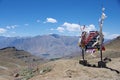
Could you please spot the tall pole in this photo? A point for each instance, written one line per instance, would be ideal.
(83, 53)
(103, 16)
(101, 42)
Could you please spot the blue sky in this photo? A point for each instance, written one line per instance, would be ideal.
(64, 17)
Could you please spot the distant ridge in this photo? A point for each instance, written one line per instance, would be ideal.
(46, 46)
(55, 35)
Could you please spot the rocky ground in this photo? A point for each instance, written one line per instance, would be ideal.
(13, 67)
(65, 69)
(70, 69)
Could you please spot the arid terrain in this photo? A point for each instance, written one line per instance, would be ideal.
(70, 69)
(13, 60)
(14, 67)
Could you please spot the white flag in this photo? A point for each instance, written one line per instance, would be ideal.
(103, 16)
(103, 9)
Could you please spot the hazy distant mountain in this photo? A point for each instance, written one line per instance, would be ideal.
(49, 46)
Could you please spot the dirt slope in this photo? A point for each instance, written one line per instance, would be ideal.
(114, 44)
(69, 69)
(11, 60)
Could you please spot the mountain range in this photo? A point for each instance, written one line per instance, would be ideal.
(46, 46)
(14, 62)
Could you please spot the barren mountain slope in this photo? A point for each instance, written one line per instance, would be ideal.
(12, 60)
(68, 69)
(114, 44)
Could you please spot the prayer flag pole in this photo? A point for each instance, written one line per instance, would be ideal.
(103, 16)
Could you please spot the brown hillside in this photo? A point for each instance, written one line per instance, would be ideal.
(113, 48)
(114, 44)
(70, 69)
(12, 60)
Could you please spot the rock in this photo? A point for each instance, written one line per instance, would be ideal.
(41, 72)
(15, 74)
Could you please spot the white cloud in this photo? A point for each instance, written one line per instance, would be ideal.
(110, 36)
(90, 27)
(114, 35)
(76, 27)
(2, 30)
(11, 27)
(71, 26)
(60, 29)
(51, 20)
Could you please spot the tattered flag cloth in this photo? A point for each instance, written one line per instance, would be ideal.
(93, 41)
(91, 51)
(103, 16)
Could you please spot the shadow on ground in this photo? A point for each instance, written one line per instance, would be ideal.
(103, 65)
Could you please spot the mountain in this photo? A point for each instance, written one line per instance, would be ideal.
(46, 46)
(13, 53)
(70, 69)
(114, 44)
(12, 59)
(113, 48)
